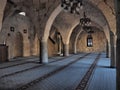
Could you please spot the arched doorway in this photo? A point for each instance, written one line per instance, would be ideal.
(18, 48)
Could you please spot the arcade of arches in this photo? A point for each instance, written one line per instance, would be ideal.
(46, 30)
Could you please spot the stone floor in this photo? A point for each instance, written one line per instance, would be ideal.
(62, 73)
(104, 78)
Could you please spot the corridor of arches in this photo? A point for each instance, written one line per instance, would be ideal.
(41, 31)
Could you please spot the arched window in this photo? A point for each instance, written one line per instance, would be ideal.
(89, 41)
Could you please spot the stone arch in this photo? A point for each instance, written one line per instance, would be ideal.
(71, 30)
(80, 31)
(9, 41)
(50, 22)
(75, 43)
(106, 27)
(15, 45)
(47, 30)
(2, 8)
(73, 36)
(99, 41)
(52, 18)
(18, 45)
(108, 9)
(43, 42)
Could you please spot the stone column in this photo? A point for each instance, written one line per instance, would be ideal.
(112, 56)
(117, 4)
(118, 63)
(43, 52)
(59, 44)
(112, 50)
(59, 48)
(66, 50)
(75, 50)
(115, 53)
(107, 49)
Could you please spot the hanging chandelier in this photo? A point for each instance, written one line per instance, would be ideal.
(72, 6)
(85, 21)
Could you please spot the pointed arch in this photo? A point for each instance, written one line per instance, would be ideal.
(18, 45)
(50, 22)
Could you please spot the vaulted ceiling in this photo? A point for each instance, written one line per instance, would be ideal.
(101, 12)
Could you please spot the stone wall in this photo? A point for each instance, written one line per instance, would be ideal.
(99, 42)
(52, 48)
(21, 40)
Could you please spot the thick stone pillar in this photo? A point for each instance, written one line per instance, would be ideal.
(113, 56)
(59, 48)
(107, 49)
(75, 50)
(43, 52)
(117, 4)
(115, 53)
(59, 45)
(118, 63)
(66, 50)
(112, 50)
